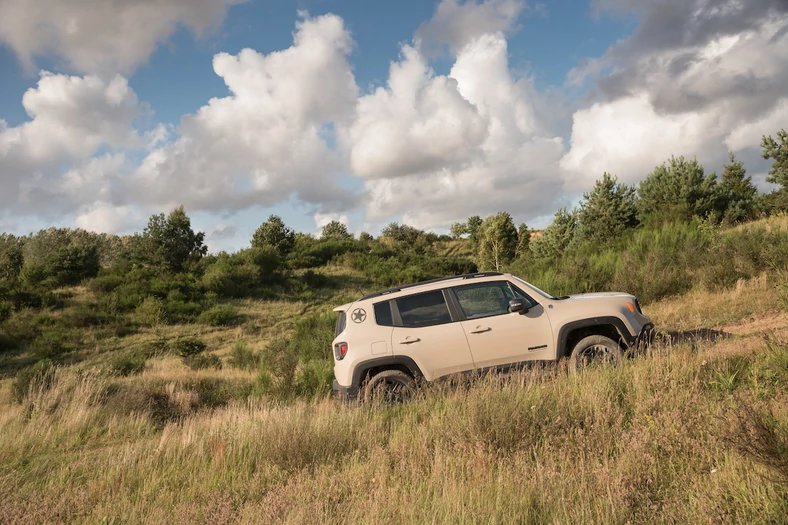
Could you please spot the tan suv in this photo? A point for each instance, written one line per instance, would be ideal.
(388, 340)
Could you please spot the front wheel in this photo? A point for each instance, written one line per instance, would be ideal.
(389, 386)
(595, 350)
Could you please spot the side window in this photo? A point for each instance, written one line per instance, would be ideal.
(426, 309)
(484, 299)
(383, 314)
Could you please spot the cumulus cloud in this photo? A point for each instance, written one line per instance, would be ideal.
(695, 78)
(101, 36)
(480, 145)
(457, 23)
(105, 217)
(71, 119)
(421, 114)
(268, 140)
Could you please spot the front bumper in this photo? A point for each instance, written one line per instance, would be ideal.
(345, 393)
(644, 339)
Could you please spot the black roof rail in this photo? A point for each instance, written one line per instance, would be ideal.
(431, 281)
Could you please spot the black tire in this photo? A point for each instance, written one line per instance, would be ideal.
(389, 386)
(596, 350)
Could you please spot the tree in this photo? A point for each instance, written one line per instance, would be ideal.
(555, 238)
(472, 228)
(11, 262)
(335, 230)
(171, 241)
(778, 174)
(275, 234)
(365, 237)
(677, 190)
(737, 192)
(607, 211)
(496, 242)
(458, 229)
(523, 240)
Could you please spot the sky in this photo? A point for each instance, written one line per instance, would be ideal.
(422, 112)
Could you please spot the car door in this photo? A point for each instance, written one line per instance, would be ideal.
(426, 332)
(496, 336)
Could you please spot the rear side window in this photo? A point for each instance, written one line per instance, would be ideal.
(426, 309)
(383, 314)
(341, 322)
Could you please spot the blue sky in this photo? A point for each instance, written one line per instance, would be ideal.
(367, 112)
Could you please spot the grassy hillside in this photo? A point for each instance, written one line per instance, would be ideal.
(223, 415)
(694, 432)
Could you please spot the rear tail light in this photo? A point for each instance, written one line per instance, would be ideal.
(340, 351)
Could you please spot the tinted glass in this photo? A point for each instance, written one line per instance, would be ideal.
(383, 314)
(484, 299)
(341, 321)
(425, 309)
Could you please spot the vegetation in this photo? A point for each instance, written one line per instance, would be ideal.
(146, 380)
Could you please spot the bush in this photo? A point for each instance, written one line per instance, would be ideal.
(243, 357)
(220, 315)
(189, 346)
(151, 312)
(39, 376)
(201, 361)
(126, 364)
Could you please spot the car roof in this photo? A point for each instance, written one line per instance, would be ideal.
(433, 284)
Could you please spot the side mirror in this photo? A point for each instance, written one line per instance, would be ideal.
(518, 305)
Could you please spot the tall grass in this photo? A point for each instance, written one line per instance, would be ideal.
(651, 442)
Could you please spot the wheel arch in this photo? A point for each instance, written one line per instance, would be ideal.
(379, 364)
(571, 333)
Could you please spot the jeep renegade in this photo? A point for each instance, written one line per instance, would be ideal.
(388, 340)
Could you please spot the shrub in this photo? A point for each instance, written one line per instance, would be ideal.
(243, 357)
(151, 312)
(201, 361)
(189, 346)
(40, 376)
(125, 364)
(219, 315)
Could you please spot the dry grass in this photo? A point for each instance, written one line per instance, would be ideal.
(702, 309)
(687, 434)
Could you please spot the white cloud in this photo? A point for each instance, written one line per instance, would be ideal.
(505, 157)
(457, 23)
(698, 99)
(101, 36)
(420, 123)
(267, 141)
(105, 217)
(71, 118)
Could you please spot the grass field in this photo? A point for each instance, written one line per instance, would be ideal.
(694, 432)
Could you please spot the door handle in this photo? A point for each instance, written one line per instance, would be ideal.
(481, 329)
(409, 340)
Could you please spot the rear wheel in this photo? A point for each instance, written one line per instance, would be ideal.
(389, 386)
(595, 350)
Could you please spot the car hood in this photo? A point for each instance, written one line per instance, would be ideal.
(600, 295)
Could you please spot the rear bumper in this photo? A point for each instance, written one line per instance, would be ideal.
(345, 393)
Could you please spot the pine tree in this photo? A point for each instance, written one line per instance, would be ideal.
(677, 190)
(737, 192)
(556, 238)
(607, 211)
(275, 234)
(335, 230)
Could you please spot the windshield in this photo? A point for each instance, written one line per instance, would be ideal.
(534, 288)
